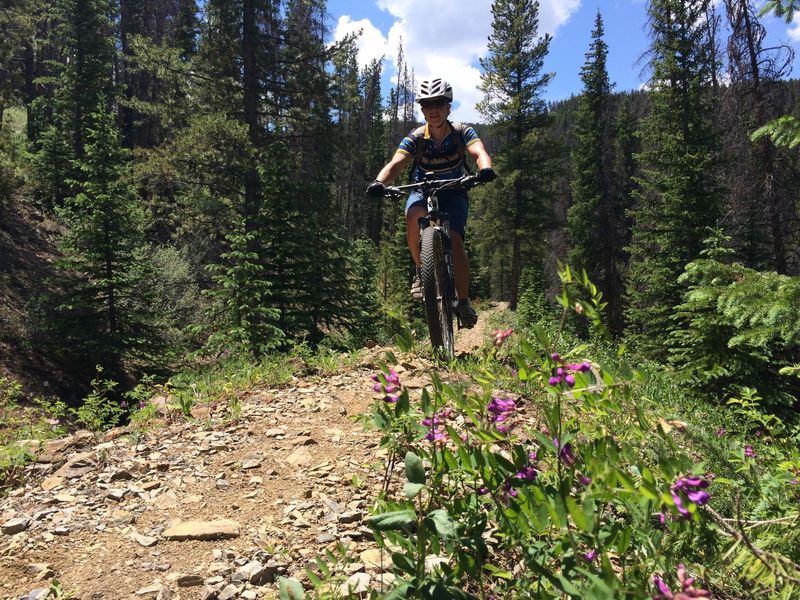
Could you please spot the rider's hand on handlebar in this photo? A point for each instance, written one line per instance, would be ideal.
(486, 175)
(376, 189)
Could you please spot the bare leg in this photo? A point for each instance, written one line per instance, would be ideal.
(412, 231)
(460, 265)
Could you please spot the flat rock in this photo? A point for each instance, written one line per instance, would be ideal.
(190, 580)
(149, 590)
(376, 559)
(40, 571)
(222, 529)
(51, 483)
(301, 457)
(144, 540)
(78, 466)
(357, 585)
(15, 525)
(230, 592)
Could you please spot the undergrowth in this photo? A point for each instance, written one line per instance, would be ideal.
(560, 470)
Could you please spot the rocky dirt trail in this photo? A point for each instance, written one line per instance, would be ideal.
(209, 509)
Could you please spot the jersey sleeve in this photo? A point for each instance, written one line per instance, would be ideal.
(470, 136)
(408, 146)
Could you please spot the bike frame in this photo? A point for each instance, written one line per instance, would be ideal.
(434, 217)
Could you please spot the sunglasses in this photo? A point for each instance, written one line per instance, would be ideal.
(438, 103)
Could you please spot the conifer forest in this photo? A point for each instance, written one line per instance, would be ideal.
(201, 167)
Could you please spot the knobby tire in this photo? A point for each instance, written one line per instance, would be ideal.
(435, 286)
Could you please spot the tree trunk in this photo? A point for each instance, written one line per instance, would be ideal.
(250, 81)
(516, 249)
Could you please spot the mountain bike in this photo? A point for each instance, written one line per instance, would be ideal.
(436, 269)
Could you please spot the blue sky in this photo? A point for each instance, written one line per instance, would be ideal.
(447, 37)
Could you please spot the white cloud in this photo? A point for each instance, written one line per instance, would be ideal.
(794, 29)
(371, 43)
(446, 38)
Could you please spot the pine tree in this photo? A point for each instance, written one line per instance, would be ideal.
(679, 195)
(595, 220)
(513, 85)
(759, 201)
(736, 328)
(19, 20)
(374, 131)
(84, 74)
(101, 317)
(243, 322)
(349, 154)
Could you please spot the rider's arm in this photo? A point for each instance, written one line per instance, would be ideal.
(478, 152)
(393, 167)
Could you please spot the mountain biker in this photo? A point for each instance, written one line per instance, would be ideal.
(441, 151)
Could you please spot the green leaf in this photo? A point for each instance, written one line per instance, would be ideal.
(578, 516)
(290, 589)
(499, 573)
(412, 489)
(415, 470)
(648, 486)
(567, 586)
(443, 523)
(402, 591)
(392, 521)
(404, 562)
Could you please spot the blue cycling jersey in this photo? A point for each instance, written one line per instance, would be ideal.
(444, 160)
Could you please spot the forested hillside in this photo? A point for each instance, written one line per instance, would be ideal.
(182, 202)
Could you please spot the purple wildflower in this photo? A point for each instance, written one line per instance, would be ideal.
(565, 454)
(482, 491)
(694, 490)
(688, 591)
(510, 492)
(501, 335)
(700, 497)
(527, 474)
(585, 481)
(499, 406)
(749, 452)
(721, 431)
(590, 555)
(500, 410)
(566, 372)
(437, 433)
(388, 385)
(663, 591)
(437, 436)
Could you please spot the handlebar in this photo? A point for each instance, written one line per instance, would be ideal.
(466, 182)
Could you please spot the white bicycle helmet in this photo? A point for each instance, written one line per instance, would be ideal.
(431, 89)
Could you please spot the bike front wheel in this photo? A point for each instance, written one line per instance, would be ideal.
(436, 289)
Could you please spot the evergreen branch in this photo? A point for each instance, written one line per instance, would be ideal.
(762, 555)
(752, 524)
(783, 131)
